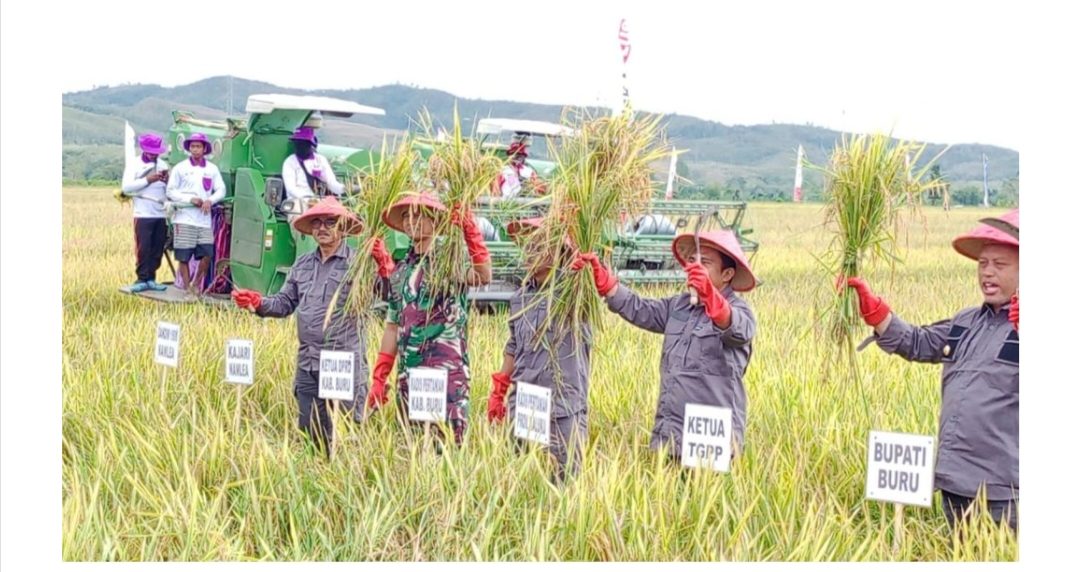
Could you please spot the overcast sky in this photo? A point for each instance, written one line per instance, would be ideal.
(935, 71)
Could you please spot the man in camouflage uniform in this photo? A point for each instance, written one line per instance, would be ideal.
(423, 328)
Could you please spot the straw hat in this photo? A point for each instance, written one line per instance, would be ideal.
(395, 214)
(972, 243)
(724, 241)
(329, 206)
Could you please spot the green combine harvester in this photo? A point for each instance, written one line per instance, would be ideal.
(641, 248)
(250, 153)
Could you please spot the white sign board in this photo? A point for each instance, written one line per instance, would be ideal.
(533, 405)
(167, 352)
(427, 398)
(336, 375)
(707, 437)
(239, 362)
(900, 468)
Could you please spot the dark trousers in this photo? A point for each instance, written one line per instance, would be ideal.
(314, 419)
(567, 438)
(958, 507)
(151, 235)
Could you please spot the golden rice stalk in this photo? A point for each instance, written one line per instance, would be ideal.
(604, 176)
(870, 181)
(391, 173)
(460, 171)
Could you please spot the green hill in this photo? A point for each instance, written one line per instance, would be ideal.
(756, 160)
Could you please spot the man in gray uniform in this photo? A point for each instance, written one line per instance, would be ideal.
(707, 346)
(311, 286)
(979, 349)
(530, 358)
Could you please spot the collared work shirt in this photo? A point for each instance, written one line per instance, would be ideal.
(148, 198)
(295, 183)
(185, 183)
(309, 290)
(565, 370)
(979, 429)
(700, 362)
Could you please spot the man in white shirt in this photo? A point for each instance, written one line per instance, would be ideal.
(307, 173)
(144, 180)
(517, 173)
(194, 186)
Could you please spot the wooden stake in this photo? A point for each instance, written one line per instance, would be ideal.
(238, 404)
(898, 527)
(164, 382)
(335, 429)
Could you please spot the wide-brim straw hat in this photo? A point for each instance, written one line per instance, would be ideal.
(972, 243)
(522, 226)
(394, 216)
(347, 222)
(725, 241)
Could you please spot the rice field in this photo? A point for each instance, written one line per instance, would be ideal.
(172, 473)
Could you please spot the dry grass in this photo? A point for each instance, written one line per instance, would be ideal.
(150, 480)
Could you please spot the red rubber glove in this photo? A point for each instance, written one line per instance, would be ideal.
(716, 306)
(872, 308)
(496, 411)
(246, 298)
(379, 392)
(1014, 312)
(604, 280)
(476, 247)
(381, 255)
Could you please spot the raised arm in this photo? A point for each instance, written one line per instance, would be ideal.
(335, 186)
(642, 312)
(481, 272)
(894, 335)
(283, 303)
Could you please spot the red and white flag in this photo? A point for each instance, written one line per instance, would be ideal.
(797, 189)
(625, 53)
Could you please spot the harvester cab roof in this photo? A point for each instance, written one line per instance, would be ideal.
(522, 127)
(268, 103)
(499, 133)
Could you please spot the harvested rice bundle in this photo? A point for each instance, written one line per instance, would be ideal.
(604, 175)
(392, 173)
(460, 171)
(870, 181)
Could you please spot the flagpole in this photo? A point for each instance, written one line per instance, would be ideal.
(797, 189)
(672, 176)
(986, 193)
